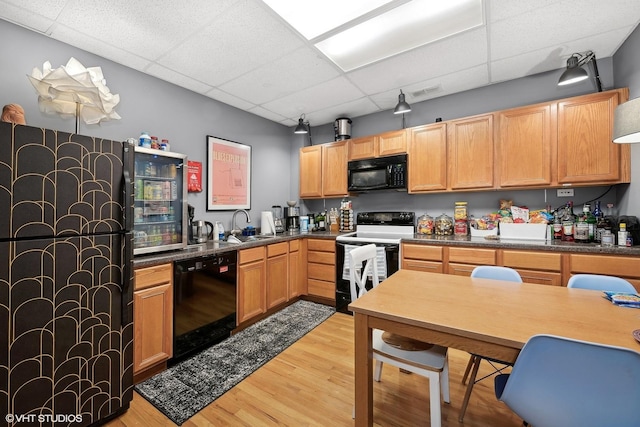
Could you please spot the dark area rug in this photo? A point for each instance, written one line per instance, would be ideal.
(189, 386)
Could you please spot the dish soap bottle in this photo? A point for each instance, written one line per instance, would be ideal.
(220, 230)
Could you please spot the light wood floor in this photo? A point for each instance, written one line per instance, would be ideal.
(311, 384)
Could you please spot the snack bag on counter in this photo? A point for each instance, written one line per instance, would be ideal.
(505, 208)
(519, 215)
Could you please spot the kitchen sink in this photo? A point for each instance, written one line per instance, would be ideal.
(244, 239)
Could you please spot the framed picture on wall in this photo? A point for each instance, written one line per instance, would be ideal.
(228, 175)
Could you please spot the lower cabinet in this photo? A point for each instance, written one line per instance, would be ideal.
(277, 274)
(153, 316)
(611, 265)
(251, 283)
(544, 268)
(462, 261)
(321, 268)
(297, 263)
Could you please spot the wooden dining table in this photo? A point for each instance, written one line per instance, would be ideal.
(490, 317)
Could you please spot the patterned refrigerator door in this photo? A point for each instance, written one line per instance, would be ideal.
(54, 183)
(67, 356)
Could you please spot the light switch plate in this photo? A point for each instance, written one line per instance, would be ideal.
(565, 192)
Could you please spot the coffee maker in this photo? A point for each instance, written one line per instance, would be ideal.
(292, 218)
(277, 218)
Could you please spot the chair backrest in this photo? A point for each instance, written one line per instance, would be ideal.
(558, 381)
(357, 274)
(497, 273)
(599, 282)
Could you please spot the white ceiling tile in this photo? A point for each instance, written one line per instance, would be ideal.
(25, 17)
(178, 79)
(243, 39)
(504, 9)
(562, 21)
(334, 92)
(45, 8)
(226, 98)
(98, 47)
(294, 72)
(465, 50)
(144, 27)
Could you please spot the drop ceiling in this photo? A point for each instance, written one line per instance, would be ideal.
(242, 53)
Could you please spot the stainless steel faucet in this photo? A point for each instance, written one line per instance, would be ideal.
(235, 229)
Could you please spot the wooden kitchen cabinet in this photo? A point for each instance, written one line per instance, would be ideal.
(297, 263)
(462, 261)
(251, 283)
(544, 268)
(321, 268)
(586, 154)
(323, 170)
(422, 257)
(152, 316)
(471, 153)
(277, 274)
(384, 144)
(626, 267)
(427, 158)
(526, 144)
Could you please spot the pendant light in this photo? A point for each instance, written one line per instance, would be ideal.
(626, 122)
(402, 106)
(303, 128)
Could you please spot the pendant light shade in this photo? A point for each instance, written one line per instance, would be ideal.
(402, 106)
(626, 122)
(575, 73)
(301, 128)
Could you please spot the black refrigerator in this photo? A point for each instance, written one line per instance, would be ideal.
(66, 271)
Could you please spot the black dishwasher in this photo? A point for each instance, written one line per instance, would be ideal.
(204, 311)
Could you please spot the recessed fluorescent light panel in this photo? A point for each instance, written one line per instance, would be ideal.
(312, 18)
(356, 33)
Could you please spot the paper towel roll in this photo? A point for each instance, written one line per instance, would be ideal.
(266, 223)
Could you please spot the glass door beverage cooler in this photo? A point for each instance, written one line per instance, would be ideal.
(160, 211)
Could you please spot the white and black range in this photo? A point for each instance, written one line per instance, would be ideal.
(385, 230)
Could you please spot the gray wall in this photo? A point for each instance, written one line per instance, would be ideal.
(186, 118)
(626, 63)
(168, 111)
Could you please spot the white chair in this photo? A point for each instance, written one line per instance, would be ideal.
(599, 282)
(431, 363)
(496, 273)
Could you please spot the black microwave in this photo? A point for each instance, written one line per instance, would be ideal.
(381, 173)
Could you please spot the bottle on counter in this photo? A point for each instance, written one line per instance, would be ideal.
(598, 215)
(584, 226)
(216, 231)
(321, 219)
(622, 234)
(557, 226)
(220, 231)
(568, 223)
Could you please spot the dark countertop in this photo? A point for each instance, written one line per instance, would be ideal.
(212, 248)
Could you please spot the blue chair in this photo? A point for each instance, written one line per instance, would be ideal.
(496, 273)
(558, 381)
(599, 282)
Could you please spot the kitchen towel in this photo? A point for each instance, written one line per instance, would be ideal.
(381, 261)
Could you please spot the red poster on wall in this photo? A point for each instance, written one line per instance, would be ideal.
(228, 175)
(194, 176)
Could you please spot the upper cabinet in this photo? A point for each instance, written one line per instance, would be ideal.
(552, 144)
(384, 144)
(470, 157)
(323, 170)
(427, 158)
(526, 139)
(586, 153)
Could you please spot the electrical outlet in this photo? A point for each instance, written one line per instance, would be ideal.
(565, 192)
